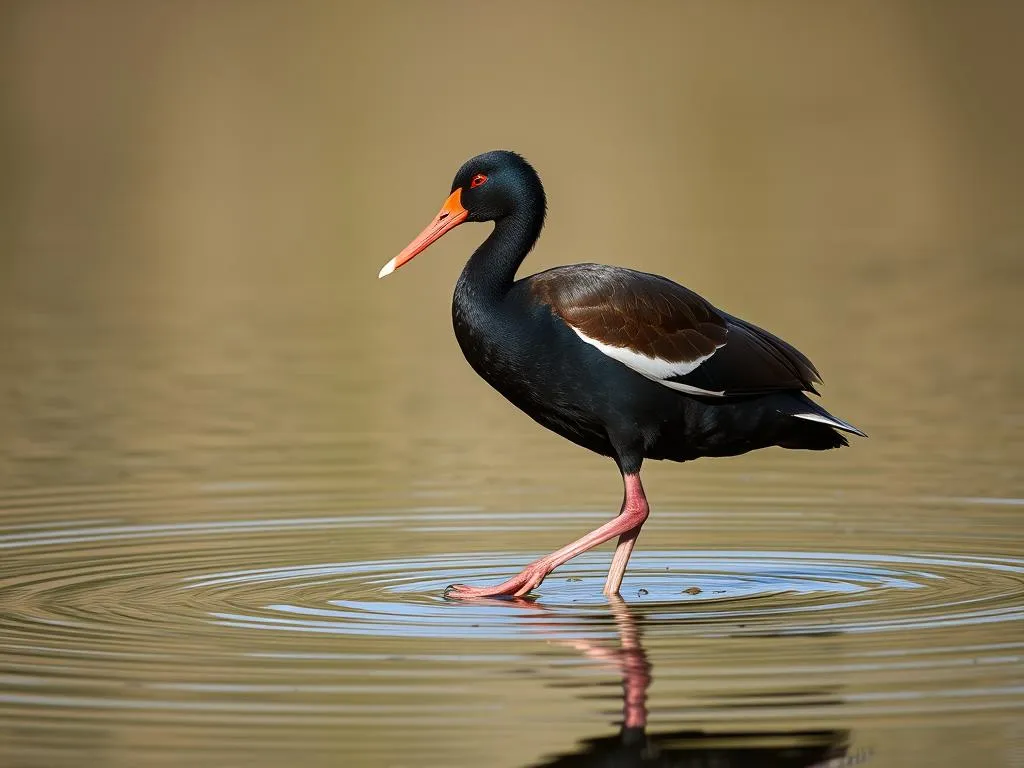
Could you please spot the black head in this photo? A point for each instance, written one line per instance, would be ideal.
(494, 186)
(498, 184)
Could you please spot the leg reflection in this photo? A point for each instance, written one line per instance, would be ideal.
(634, 747)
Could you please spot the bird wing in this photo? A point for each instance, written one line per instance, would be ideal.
(670, 334)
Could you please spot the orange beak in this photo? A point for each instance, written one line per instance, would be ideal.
(450, 216)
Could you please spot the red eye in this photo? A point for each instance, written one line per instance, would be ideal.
(478, 180)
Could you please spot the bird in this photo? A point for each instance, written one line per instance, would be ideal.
(627, 364)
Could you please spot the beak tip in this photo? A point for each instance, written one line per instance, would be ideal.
(451, 215)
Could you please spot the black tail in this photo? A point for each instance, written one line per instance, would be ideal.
(812, 427)
(802, 407)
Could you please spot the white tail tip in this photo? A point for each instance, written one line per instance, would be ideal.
(387, 269)
(832, 421)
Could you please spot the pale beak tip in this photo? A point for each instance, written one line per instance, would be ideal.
(386, 270)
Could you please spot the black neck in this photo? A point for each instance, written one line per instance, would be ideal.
(491, 269)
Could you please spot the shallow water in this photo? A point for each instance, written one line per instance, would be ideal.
(237, 472)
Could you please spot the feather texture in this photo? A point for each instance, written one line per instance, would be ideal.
(670, 334)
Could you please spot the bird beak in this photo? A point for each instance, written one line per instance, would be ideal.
(450, 216)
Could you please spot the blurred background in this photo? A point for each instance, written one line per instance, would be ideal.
(193, 187)
(195, 198)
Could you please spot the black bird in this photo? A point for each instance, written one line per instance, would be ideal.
(625, 363)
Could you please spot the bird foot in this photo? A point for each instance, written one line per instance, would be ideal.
(464, 592)
(518, 586)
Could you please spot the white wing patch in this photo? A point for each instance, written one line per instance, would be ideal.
(654, 368)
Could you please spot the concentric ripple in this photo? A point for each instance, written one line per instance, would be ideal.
(171, 573)
(251, 621)
(702, 593)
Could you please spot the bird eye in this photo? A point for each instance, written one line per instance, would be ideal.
(478, 180)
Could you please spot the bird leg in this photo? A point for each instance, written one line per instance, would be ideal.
(633, 497)
(627, 526)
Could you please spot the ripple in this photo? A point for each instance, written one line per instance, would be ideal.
(247, 618)
(701, 593)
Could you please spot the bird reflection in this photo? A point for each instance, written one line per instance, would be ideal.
(634, 747)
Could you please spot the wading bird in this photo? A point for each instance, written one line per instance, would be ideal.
(627, 364)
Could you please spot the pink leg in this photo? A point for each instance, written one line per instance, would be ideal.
(634, 498)
(632, 516)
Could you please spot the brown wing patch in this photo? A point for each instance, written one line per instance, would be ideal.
(641, 312)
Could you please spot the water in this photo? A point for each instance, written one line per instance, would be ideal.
(237, 472)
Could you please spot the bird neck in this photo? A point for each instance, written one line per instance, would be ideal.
(491, 269)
